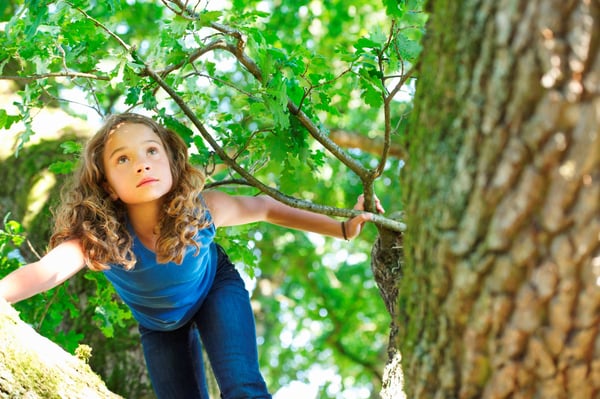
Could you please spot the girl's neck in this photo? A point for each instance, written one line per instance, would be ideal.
(144, 219)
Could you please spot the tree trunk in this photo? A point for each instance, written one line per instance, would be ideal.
(387, 264)
(500, 295)
(32, 366)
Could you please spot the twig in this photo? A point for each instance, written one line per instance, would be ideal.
(54, 75)
(99, 24)
(228, 182)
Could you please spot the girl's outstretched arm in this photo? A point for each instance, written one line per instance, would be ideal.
(52, 269)
(228, 210)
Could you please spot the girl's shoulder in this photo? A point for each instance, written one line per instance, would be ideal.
(216, 204)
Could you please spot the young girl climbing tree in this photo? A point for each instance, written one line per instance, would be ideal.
(136, 211)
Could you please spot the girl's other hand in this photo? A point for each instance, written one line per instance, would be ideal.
(360, 204)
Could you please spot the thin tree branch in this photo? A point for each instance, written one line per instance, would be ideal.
(286, 199)
(59, 99)
(315, 132)
(250, 65)
(387, 114)
(228, 182)
(238, 51)
(99, 24)
(216, 44)
(65, 74)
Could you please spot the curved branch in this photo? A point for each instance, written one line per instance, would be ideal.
(249, 64)
(309, 125)
(286, 199)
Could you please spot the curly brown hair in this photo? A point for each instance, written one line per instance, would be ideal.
(89, 214)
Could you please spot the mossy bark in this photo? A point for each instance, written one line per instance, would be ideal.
(500, 295)
(32, 366)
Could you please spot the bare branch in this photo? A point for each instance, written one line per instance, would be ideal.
(59, 99)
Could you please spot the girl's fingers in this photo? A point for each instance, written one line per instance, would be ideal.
(360, 204)
(378, 205)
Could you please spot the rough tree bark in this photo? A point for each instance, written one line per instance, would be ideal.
(500, 295)
(387, 263)
(32, 366)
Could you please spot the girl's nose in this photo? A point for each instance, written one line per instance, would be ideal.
(142, 168)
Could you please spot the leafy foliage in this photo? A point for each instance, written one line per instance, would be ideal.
(254, 89)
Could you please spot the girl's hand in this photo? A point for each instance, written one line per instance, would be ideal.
(354, 226)
(360, 204)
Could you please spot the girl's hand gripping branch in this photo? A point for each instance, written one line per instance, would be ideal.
(353, 226)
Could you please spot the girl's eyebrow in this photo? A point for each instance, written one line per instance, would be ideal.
(124, 147)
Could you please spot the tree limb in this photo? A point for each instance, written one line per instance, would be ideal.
(286, 199)
(32, 366)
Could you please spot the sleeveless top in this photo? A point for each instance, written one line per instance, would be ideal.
(165, 296)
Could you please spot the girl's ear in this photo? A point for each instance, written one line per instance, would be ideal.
(113, 195)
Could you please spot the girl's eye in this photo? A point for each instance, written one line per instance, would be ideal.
(152, 150)
(121, 159)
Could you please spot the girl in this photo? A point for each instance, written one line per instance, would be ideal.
(137, 212)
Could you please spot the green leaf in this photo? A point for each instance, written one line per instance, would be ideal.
(38, 12)
(133, 95)
(208, 17)
(149, 100)
(408, 48)
(275, 99)
(363, 43)
(71, 147)
(178, 127)
(392, 7)
(7, 120)
(62, 167)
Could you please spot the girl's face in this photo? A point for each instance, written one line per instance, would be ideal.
(136, 165)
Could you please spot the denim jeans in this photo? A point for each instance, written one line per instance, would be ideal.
(225, 326)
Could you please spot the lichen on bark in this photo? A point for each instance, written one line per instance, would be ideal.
(31, 366)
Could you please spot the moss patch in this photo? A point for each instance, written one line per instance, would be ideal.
(32, 366)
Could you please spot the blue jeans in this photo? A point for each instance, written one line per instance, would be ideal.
(225, 324)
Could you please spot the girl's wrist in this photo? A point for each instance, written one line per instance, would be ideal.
(344, 230)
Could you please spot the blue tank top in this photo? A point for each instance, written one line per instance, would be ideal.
(165, 296)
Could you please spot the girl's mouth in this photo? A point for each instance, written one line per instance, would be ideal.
(146, 181)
